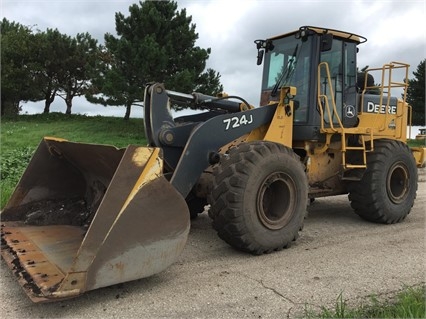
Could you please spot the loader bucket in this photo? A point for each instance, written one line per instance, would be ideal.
(88, 216)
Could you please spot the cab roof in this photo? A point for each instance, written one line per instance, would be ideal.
(319, 30)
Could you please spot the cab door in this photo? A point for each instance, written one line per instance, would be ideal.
(341, 85)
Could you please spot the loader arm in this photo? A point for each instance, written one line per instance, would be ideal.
(190, 147)
(162, 130)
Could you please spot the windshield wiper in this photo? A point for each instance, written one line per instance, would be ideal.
(287, 74)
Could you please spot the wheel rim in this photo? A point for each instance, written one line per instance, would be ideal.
(397, 184)
(276, 201)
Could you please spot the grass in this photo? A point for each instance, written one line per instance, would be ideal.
(416, 143)
(21, 135)
(28, 130)
(409, 303)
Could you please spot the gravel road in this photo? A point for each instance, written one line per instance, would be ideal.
(337, 253)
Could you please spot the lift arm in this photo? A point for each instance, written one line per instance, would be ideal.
(190, 147)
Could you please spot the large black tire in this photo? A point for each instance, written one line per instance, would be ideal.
(387, 191)
(259, 197)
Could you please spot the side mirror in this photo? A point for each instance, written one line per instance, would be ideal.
(262, 46)
(260, 54)
(326, 42)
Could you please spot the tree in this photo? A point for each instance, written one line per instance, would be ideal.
(416, 95)
(78, 66)
(62, 65)
(156, 42)
(42, 65)
(50, 55)
(209, 83)
(17, 79)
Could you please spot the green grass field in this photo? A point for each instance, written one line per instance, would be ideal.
(28, 130)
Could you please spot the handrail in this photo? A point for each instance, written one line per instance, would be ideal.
(386, 86)
(322, 96)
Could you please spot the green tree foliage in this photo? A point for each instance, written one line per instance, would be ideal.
(156, 42)
(42, 65)
(17, 78)
(51, 54)
(209, 83)
(79, 62)
(63, 65)
(416, 94)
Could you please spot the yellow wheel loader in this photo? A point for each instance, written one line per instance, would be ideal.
(88, 216)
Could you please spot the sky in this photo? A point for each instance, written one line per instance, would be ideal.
(396, 31)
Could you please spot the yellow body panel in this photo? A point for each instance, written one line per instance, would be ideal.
(281, 128)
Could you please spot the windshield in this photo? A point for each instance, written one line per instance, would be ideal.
(288, 64)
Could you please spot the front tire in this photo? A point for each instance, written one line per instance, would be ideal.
(388, 188)
(259, 197)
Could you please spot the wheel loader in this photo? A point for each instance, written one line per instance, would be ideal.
(88, 216)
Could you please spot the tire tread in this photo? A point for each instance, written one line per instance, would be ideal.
(231, 176)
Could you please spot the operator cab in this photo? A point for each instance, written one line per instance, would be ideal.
(292, 59)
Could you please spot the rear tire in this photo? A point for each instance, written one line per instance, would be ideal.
(387, 191)
(259, 197)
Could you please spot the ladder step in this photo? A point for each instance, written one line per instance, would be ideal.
(351, 178)
(354, 148)
(356, 166)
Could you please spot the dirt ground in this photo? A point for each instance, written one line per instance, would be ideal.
(337, 253)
